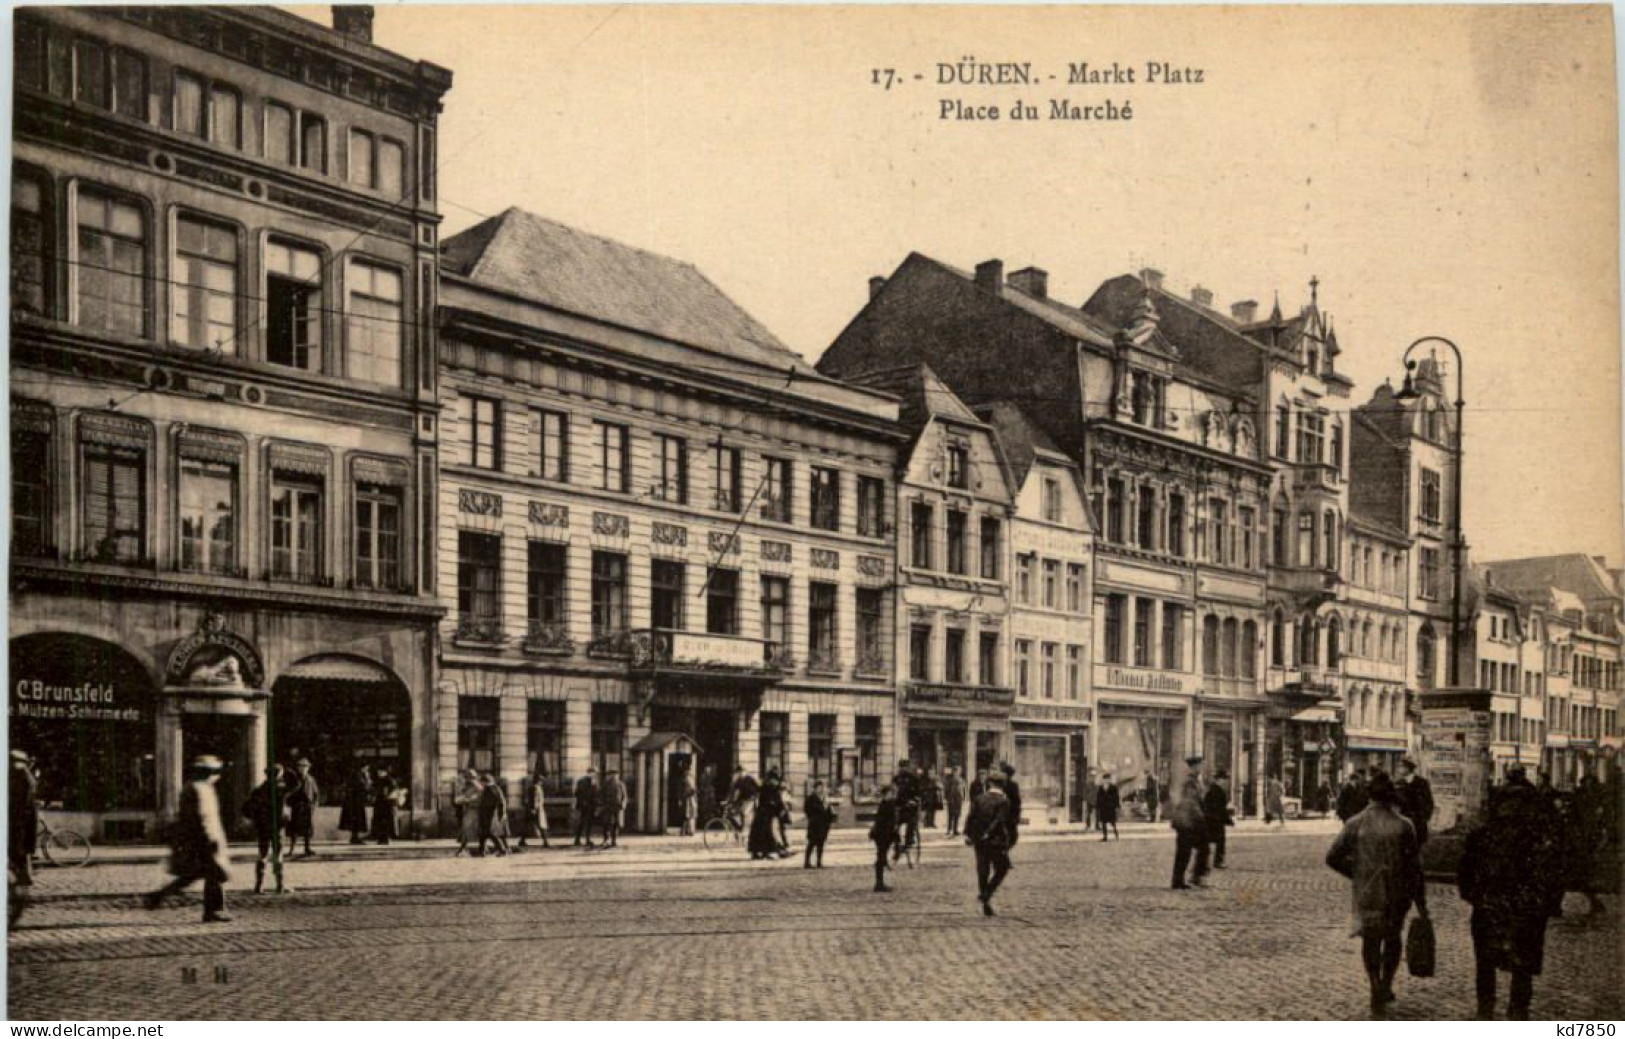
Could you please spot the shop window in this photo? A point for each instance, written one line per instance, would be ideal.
(296, 526)
(776, 490)
(614, 461)
(774, 740)
(671, 461)
(544, 742)
(374, 329)
(546, 587)
(820, 747)
(871, 506)
(378, 537)
(991, 548)
(608, 738)
(867, 738)
(293, 306)
(775, 615)
(477, 733)
(553, 445)
(609, 605)
(722, 602)
(919, 652)
(31, 237)
(920, 535)
(110, 264)
(208, 516)
(826, 498)
(205, 289)
(479, 584)
(726, 477)
(481, 419)
(666, 594)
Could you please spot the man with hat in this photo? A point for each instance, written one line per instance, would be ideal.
(1216, 811)
(586, 805)
(1012, 793)
(613, 802)
(198, 842)
(1377, 850)
(1190, 827)
(265, 809)
(1415, 799)
(990, 831)
(303, 797)
(22, 819)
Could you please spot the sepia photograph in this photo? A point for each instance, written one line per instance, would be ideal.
(779, 512)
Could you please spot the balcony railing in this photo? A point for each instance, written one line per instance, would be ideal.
(478, 630)
(548, 638)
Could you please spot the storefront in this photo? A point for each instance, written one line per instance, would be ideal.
(1304, 747)
(1135, 739)
(1381, 752)
(1230, 747)
(1051, 757)
(956, 726)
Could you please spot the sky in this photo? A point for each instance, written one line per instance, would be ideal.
(1443, 171)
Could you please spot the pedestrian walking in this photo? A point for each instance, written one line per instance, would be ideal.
(303, 796)
(534, 806)
(22, 818)
(586, 806)
(953, 798)
(688, 798)
(467, 804)
(883, 832)
(197, 847)
(931, 797)
(991, 833)
(1190, 828)
(742, 797)
(1012, 793)
(1216, 813)
(1323, 798)
(493, 815)
(1089, 791)
(612, 807)
(764, 842)
(1377, 850)
(1511, 874)
(353, 814)
(1108, 800)
(1153, 796)
(383, 806)
(266, 809)
(820, 816)
(1275, 801)
(1415, 799)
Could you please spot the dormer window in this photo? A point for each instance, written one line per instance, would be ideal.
(1314, 360)
(1145, 400)
(958, 466)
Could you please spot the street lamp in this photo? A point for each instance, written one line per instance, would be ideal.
(1458, 544)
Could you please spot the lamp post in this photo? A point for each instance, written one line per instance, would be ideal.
(1458, 543)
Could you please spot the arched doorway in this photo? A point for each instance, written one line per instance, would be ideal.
(85, 709)
(338, 711)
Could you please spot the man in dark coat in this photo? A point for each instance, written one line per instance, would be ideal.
(990, 831)
(1352, 798)
(1012, 793)
(1377, 850)
(353, 815)
(953, 796)
(265, 809)
(1415, 799)
(1216, 814)
(819, 818)
(1107, 802)
(612, 806)
(22, 818)
(1190, 828)
(198, 843)
(1088, 790)
(1153, 796)
(978, 784)
(303, 797)
(1511, 874)
(586, 806)
(883, 832)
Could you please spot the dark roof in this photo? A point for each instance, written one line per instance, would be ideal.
(1573, 572)
(924, 395)
(1020, 436)
(571, 270)
(1209, 344)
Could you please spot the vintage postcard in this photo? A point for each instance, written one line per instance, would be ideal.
(811, 512)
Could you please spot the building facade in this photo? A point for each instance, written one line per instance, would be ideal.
(223, 404)
(1378, 720)
(655, 521)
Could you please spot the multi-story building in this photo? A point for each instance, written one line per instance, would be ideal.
(1377, 723)
(1506, 636)
(664, 539)
(223, 234)
(1156, 413)
(954, 507)
(1051, 623)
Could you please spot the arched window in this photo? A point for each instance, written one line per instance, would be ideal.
(1425, 664)
(1334, 642)
(1249, 649)
(1278, 639)
(1229, 659)
(1210, 645)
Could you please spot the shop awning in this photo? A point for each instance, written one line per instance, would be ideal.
(338, 669)
(1316, 714)
(660, 740)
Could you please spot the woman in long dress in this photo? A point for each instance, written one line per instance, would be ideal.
(764, 842)
(353, 816)
(383, 807)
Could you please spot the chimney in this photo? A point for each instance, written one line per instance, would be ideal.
(990, 275)
(875, 285)
(1201, 297)
(1152, 277)
(353, 21)
(1244, 311)
(1031, 280)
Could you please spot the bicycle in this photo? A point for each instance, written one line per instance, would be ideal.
(61, 847)
(724, 830)
(908, 843)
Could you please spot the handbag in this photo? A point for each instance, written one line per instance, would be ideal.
(1420, 947)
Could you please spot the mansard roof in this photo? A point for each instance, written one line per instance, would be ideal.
(1208, 344)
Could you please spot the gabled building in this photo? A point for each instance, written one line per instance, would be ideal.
(954, 505)
(664, 539)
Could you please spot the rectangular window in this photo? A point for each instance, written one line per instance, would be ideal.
(111, 264)
(671, 469)
(31, 236)
(1047, 669)
(1172, 651)
(992, 548)
(130, 84)
(296, 527)
(1278, 538)
(666, 594)
(1052, 582)
(609, 609)
(614, 461)
(1247, 536)
(479, 580)
(546, 587)
(1074, 672)
(919, 652)
(553, 445)
(920, 535)
(279, 134)
(373, 325)
(1337, 447)
(293, 304)
(871, 506)
(1311, 437)
(477, 732)
(776, 490)
(190, 116)
(1429, 574)
(1143, 611)
(208, 516)
(1283, 430)
(1113, 650)
(776, 614)
(953, 657)
(1176, 525)
(987, 658)
(1024, 664)
(725, 478)
(821, 747)
(1146, 518)
(821, 625)
(826, 498)
(377, 537)
(391, 171)
(722, 602)
(1052, 499)
(205, 292)
(544, 739)
(225, 117)
(1116, 503)
(1432, 509)
(361, 158)
(1306, 539)
(28, 53)
(1024, 578)
(31, 474)
(958, 466)
(312, 143)
(956, 542)
(775, 738)
(1074, 587)
(1219, 526)
(867, 737)
(608, 737)
(871, 617)
(482, 421)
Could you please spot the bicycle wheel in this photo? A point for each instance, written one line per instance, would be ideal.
(717, 834)
(67, 848)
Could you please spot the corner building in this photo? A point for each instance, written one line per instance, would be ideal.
(223, 236)
(663, 538)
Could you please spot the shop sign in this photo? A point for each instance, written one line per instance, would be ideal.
(967, 696)
(1147, 681)
(1051, 713)
(82, 701)
(715, 650)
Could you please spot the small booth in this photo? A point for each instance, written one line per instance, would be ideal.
(658, 761)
